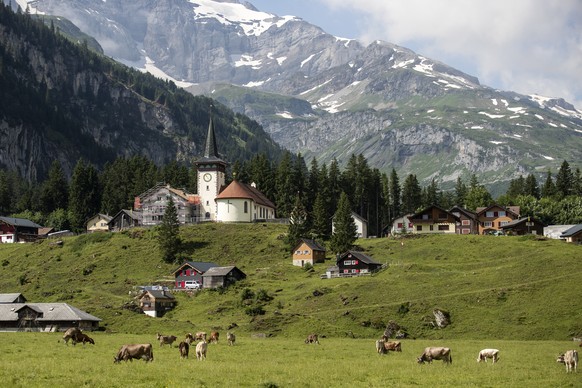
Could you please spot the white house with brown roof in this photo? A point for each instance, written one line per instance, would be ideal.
(240, 202)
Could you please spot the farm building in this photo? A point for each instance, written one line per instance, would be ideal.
(124, 219)
(308, 251)
(353, 263)
(555, 231)
(18, 230)
(573, 235)
(217, 277)
(12, 298)
(156, 303)
(191, 271)
(526, 225)
(98, 223)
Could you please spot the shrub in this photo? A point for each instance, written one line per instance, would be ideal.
(255, 310)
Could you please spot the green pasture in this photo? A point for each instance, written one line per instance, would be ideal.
(41, 360)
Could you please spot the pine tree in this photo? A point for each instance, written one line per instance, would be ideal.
(84, 195)
(460, 192)
(549, 188)
(55, 190)
(298, 223)
(395, 195)
(345, 230)
(411, 194)
(169, 233)
(320, 218)
(531, 186)
(564, 180)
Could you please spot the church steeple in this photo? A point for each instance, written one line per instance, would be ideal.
(211, 150)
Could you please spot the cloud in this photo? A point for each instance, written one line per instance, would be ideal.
(527, 46)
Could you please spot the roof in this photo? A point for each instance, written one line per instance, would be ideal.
(130, 213)
(157, 294)
(520, 221)
(220, 271)
(20, 222)
(512, 209)
(50, 312)
(241, 190)
(572, 231)
(210, 147)
(466, 212)
(10, 298)
(415, 216)
(45, 230)
(200, 266)
(314, 245)
(360, 256)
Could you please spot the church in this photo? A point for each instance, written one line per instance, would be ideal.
(215, 201)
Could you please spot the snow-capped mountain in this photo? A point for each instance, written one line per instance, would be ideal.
(327, 96)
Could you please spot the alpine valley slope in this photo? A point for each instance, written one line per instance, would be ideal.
(330, 97)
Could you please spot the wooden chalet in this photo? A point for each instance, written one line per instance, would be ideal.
(98, 223)
(468, 222)
(354, 263)
(493, 217)
(14, 230)
(124, 219)
(308, 251)
(217, 277)
(434, 219)
(190, 271)
(156, 303)
(522, 226)
(573, 235)
(12, 298)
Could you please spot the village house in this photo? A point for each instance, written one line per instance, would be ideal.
(14, 230)
(573, 235)
(156, 303)
(98, 223)
(468, 222)
(124, 219)
(493, 217)
(190, 272)
(353, 263)
(12, 298)
(217, 277)
(434, 219)
(522, 226)
(399, 225)
(308, 252)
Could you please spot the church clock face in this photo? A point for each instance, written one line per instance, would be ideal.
(207, 177)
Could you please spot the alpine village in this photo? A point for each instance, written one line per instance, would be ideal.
(137, 218)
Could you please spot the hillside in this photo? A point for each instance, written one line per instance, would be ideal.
(493, 287)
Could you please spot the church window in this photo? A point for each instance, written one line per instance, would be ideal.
(207, 214)
(246, 206)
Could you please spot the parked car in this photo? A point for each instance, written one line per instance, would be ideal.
(192, 284)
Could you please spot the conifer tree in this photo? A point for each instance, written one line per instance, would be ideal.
(411, 194)
(345, 230)
(564, 180)
(169, 233)
(84, 195)
(298, 223)
(395, 195)
(55, 190)
(549, 188)
(320, 222)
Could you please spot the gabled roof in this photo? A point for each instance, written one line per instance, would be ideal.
(50, 312)
(10, 298)
(418, 214)
(157, 294)
(360, 256)
(241, 190)
(314, 245)
(105, 217)
(464, 211)
(221, 271)
(200, 266)
(130, 213)
(519, 221)
(20, 222)
(510, 209)
(572, 231)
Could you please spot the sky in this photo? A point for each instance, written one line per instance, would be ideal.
(525, 46)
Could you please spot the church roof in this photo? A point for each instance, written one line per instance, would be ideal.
(210, 148)
(243, 191)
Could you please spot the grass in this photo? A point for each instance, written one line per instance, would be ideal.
(40, 360)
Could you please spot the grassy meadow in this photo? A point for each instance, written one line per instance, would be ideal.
(40, 360)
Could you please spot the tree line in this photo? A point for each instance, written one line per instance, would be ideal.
(301, 192)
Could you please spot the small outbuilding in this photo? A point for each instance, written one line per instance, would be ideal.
(217, 277)
(308, 252)
(523, 226)
(156, 303)
(124, 219)
(573, 235)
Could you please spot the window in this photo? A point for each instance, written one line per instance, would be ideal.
(400, 224)
(490, 214)
(246, 207)
(465, 222)
(431, 227)
(465, 231)
(207, 188)
(443, 227)
(501, 223)
(487, 224)
(502, 214)
(425, 216)
(207, 203)
(419, 228)
(297, 252)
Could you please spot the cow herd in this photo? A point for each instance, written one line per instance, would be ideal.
(383, 346)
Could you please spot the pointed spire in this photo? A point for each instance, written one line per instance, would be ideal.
(211, 150)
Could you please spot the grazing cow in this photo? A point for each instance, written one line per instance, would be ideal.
(312, 339)
(230, 337)
(184, 348)
(570, 359)
(137, 351)
(84, 338)
(189, 338)
(201, 349)
(72, 334)
(436, 353)
(213, 337)
(166, 339)
(488, 353)
(394, 346)
(201, 335)
(380, 346)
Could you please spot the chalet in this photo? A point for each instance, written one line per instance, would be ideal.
(493, 217)
(361, 225)
(434, 219)
(44, 317)
(124, 219)
(522, 226)
(153, 202)
(573, 235)
(191, 271)
(308, 251)
(217, 277)
(156, 303)
(353, 263)
(12, 298)
(98, 223)
(468, 222)
(399, 225)
(18, 230)
(240, 202)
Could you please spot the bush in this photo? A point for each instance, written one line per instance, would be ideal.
(255, 310)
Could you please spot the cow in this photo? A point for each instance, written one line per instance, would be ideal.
(230, 337)
(214, 337)
(201, 349)
(394, 346)
(72, 334)
(84, 338)
(435, 353)
(201, 335)
(380, 346)
(189, 338)
(184, 348)
(488, 353)
(570, 359)
(312, 339)
(137, 351)
(166, 339)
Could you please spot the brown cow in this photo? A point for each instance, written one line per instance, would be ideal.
(137, 351)
(230, 337)
(201, 349)
(214, 336)
(72, 334)
(201, 335)
(436, 353)
(166, 339)
(394, 346)
(184, 348)
(312, 339)
(84, 338)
